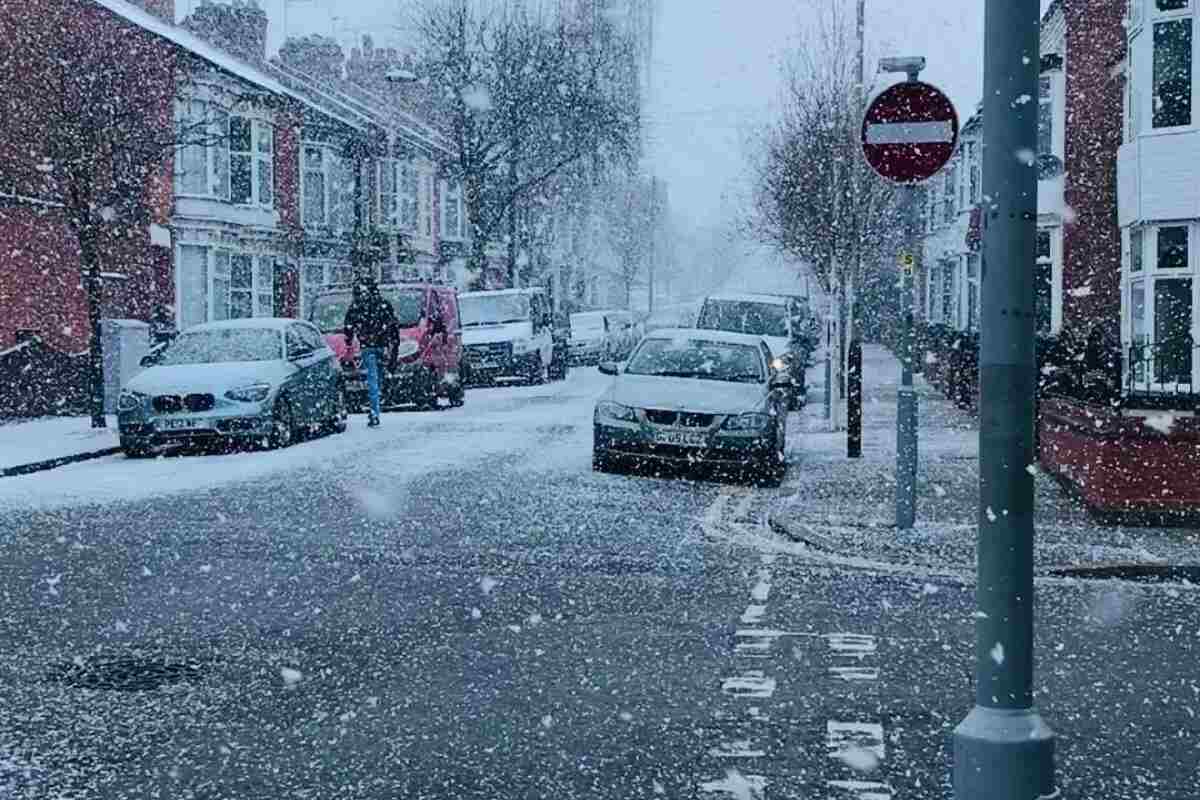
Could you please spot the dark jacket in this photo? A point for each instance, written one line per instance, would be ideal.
(373, 320)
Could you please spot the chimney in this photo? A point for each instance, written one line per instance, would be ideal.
(239, 28)
(315, 55)
(163, 9)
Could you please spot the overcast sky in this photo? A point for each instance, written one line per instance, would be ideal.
(716, 72)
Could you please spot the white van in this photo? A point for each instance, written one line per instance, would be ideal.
(508, 334)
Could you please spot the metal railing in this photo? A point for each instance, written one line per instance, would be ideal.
(1160, 374)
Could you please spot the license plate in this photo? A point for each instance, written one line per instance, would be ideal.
(182, 424)
(681, 438)
(356, 386)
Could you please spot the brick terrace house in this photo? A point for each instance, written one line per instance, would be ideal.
(250, 221)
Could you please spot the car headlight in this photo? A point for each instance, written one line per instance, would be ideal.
(779, 364)
(254, 393)
(130, 401)
(747, 422)
(407, 349)
(615, 411)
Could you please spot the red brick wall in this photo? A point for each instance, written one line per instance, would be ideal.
(39, 253)
(1092, 244)
(287, 168)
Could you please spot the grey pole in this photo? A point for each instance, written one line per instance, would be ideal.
(1003, 750)
(906, 400)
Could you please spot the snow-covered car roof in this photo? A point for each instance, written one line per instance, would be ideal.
(503, 292)
(750, 297)
(252, 323)
(700, 334)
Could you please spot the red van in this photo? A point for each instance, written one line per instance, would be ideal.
(430, 352)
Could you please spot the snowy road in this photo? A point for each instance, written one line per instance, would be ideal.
(455, 606)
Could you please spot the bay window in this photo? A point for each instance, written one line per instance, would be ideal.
(1159, 308)
(973, 292)
(453, 211)
(215, 283)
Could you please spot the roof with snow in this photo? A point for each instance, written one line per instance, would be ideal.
(356, 113)
(703, 335)
(251, 324)
(750, 297)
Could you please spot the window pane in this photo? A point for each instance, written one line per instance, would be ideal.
(239, 179)
(1043, 282)
(1172, 73)
(1173, 248)
(1137, 329)
(192, 170)
(239, 134)
(265, 136)
(314, 197)
(266, 305)
(1135, 251)
(265, 272)
(193, 285)
(1045, 117)
(1172, 330)
(241, 305)
(220, 298)
(266, 181)
(221, 263)
(1171, 5)
(242, 274)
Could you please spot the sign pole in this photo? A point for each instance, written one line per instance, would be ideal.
(1003, 750)
(906, 400)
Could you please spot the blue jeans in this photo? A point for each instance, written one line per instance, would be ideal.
(372, 359)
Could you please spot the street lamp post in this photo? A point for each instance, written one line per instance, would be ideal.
(1003, 750)
(396, 76)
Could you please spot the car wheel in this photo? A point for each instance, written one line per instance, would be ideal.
(458, 395)
(428, 400)
(341, 413)
(283, 424)
(136, 450)
(540, 373)
(601, 462)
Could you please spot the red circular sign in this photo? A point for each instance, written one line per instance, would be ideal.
(909, 132)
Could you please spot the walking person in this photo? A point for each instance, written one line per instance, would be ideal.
(372, 320)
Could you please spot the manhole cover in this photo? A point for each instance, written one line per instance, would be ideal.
(125, 674)
(1139, 573)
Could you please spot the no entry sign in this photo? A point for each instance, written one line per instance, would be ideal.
(909, 132)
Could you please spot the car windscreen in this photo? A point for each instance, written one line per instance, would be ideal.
(492, 309)
(697, 358)
(744, 316)
(224, 345)
(591, 321)
(329, 311)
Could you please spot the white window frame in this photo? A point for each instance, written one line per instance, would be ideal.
(338, 199)
(261, 156)
(1153, 18)
(216, 148)
(399, 205)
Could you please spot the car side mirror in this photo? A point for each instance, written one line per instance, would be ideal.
(149, 360)
(299, 355)
(610, 368)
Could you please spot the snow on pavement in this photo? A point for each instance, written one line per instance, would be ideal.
(407, 446)
(52, 437)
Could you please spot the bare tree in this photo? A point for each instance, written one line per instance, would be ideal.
(531, 94)
(92, 135)
(815, 198)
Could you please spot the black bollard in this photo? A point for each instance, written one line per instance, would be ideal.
(854, 401)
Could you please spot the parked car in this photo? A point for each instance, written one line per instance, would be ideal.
(429, 358)
(508, 334)
(250, 380)
(560, 363)
(775, 319)
(589, 337)
(689, 396)
(679, 315)
(624, 333)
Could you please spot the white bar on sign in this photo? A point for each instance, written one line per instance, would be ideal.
(910, 133)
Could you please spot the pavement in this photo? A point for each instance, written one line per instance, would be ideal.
(844, 506)
(49, 442)
(456, 606)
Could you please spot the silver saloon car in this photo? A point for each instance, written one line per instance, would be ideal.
(251, 380)
(695, 397)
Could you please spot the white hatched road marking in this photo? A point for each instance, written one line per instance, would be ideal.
(843, 736)
(752, 684)
(857, 745)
